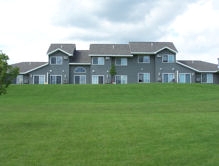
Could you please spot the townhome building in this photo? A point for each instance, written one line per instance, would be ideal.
(135, 62)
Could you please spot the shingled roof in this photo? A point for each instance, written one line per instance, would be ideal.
(199, 66)
(25, 67)
(65, 48)
(110, 50)
(151, 47)
(80, 57)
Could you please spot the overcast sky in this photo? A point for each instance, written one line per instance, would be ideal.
(28, 27)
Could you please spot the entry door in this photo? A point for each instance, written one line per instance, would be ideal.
(97, 79)
(80, 79)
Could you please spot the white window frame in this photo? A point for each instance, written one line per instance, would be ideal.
(143, 81)
(75, 70)
(43, 81)
(97, 76)
(123, 79)
(100, 61)
(184, 79)
(20, 79)
(80, 79)
(55, 79)
(169, 80)
(208, 80)
(56, 62)
(123, 62)
(148, 58)
(170, 58)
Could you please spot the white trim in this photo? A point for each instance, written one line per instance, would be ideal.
(166, 48)
(50, 60)
(98, 64)
(50, 82)
(144, 82)
(126, 80)
(79, 63)
(168, 58)
(85, 71)
(34, 69)
(39, 78)
(143, 59)
(58, 49)
(80, 79)
(195, 69)
(207, 78)
(185, 78)
(109, 55)
(121, 61)
(168, 77)
(98, 79)
(20, 79)
(155, 52)
(177, 76)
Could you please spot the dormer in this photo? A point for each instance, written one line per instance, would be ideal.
(58, 53)
(67, 49)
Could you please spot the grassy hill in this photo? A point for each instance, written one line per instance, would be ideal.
(138, 124)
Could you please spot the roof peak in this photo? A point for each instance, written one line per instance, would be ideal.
(65, 48)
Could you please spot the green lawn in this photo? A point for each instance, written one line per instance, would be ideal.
(110, 125)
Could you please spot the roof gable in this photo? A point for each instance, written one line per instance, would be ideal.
(65, 48)
(26, 67)
(110, 50)
(151, 47)
(199, 66)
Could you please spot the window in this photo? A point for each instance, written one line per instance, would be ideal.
(98, 60)
(121, 61)
(144, 77)
(20, 79)
(55, 79)
(56, 60)
(207, 78)
(168, 58)
(121, 79)
(39, 79)
(143, 59)
(97, 79)
(184, 78)
(80, 70)
(80, 79)
(168, 77)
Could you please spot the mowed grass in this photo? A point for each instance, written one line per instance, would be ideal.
(110, 125)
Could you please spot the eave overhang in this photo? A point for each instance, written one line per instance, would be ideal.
(109, 55)
(155, 52)
(34, 69)
(79, 63)
(196, 70)
(58, 49)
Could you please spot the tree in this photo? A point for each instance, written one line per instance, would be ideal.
(7, 73)
(112, 72)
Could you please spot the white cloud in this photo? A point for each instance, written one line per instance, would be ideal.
(25, 29)
(28, 27)
(195, 32)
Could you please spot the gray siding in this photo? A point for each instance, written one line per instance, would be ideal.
(216, 78)
(134, 67)
(156, 68)
(62, 69)
(51, 69)
(102, 70)
(42, 71)
(72, 74)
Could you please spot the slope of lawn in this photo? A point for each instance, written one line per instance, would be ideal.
(110, 125)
